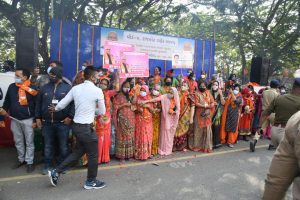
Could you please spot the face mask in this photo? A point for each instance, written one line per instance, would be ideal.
(215, 88)
(126, 90)
(235, 92)
(202, 89)
(103, 87)
(168, 83)
(203, 76)
(184, 88)
(143, 94)
(111, 70)
(282, 91)
(49, 69)
(170, 96)
(194, 78)
(18, 80)
(100, 73)
(83, 67)
(155, 92)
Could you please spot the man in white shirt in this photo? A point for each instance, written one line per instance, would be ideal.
(88, 100)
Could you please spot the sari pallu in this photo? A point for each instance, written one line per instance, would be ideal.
(180, 139)
(229, 121)
(156, 128)
(124, 120)
(216, 120)
(201, 139)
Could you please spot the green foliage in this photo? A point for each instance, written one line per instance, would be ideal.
(241, 28)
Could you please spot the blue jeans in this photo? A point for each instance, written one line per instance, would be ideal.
(55, 135)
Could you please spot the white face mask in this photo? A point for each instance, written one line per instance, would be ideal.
(215, 88)
(111, 70)
(184, 88)
(282, 91)
(235, 92)
(194, 78)
(83, 67)
(155, 92)
(143, 94)
(203, 76)
(126, 90)
(100, 73)
(49, 69)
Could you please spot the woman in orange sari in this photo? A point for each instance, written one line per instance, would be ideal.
(247, 114)
(230, 117)
(202, 110)
(144, 126)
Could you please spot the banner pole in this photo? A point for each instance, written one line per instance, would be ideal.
(78, 46)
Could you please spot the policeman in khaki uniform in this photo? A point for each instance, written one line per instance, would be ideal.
(285, 166)
(284, 106)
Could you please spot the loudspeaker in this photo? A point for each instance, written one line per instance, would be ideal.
(260, 70)
(26, 48)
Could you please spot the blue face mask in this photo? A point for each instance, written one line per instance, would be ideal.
(49, 69)
(143, 94)
(83, 67)
(18, 80)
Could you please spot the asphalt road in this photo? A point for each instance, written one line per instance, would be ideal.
(226, 174)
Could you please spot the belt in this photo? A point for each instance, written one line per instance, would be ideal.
(282, 125)
(82, 125)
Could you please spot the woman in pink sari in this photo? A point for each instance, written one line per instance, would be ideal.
(169, 119)
(143, 126)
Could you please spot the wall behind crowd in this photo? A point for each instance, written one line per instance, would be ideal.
(73, 43)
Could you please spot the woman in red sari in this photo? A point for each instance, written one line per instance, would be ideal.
(247, 114)
(103, 123)
(143, 126)
(124, 120)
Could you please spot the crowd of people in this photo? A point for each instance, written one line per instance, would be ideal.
(138, 118)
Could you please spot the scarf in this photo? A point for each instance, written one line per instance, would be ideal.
(23, 88)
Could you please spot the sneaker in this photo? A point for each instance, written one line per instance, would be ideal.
(30, 168)
(54, 176)
(94, 185)
(18, 165)
(230, 145)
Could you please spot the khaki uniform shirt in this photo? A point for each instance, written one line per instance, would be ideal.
(284, 106)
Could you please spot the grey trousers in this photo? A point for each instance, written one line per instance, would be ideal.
(277, 135)
(24, 139)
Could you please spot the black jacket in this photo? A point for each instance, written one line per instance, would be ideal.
(44, 99)
(11, 103)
